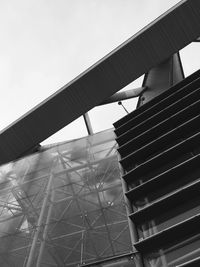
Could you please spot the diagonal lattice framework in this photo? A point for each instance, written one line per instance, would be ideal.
(83, 218)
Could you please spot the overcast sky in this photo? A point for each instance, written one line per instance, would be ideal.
(46, 43)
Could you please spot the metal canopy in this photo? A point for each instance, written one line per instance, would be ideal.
(146, 49)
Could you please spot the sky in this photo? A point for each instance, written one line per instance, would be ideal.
(46, 43)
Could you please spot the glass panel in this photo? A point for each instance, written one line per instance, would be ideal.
(170, 217)
(64, 205)
(172, 186)
(177, 254)
(157, 167)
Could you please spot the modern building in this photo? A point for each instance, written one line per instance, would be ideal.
(127, 196)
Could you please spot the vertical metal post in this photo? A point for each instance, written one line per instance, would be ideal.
(132, 228)
(39, 224)
(88, 123)
(45, 232)
(133, 232)
(82, 246)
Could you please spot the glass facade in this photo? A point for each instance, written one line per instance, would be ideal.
(169, 217)
(64, 206)
(176, 254)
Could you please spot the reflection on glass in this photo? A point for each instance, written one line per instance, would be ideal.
(174, 255)
(63, 206)
(169, 217)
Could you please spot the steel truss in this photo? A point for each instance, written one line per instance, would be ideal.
(64, 206)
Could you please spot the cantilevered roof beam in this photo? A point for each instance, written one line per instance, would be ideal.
(131, 93)
(152, 45)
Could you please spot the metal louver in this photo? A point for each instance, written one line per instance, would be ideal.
(159, 147)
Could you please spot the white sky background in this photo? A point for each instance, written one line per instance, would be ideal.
(46, 43)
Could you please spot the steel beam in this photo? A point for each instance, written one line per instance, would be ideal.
(88, 123)
(161, 78)
(39, 224)
(149, 47)
(124, 95)
(109, 260)
(45, 231)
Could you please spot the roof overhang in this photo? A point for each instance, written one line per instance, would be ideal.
(156, 42)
